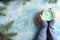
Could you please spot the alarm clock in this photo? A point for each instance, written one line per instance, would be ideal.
(48, 15)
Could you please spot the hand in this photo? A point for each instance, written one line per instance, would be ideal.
(53, 13)
(40, 16)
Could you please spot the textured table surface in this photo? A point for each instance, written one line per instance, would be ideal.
(24, 18)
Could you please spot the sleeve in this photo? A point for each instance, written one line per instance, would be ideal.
(52, 30)
(42, 34)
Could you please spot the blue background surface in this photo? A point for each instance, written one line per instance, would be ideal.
(23, 16)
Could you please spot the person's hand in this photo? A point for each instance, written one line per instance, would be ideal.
(53, 13)
(40, 16)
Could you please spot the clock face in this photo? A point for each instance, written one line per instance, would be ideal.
(47, 15)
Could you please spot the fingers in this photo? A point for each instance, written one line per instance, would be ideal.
(50, 8)
(40, 16)
(41, 12)
(53, 13)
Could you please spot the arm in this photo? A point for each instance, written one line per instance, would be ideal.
(42, 34)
